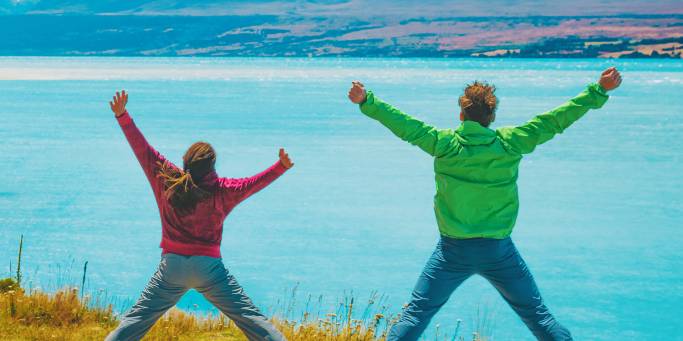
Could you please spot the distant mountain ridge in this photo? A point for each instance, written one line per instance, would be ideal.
(358, 28)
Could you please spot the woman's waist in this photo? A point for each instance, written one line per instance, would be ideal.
(190, 247)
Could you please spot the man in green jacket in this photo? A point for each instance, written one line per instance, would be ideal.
(476, 201)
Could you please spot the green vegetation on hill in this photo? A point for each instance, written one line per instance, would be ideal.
(293, 35)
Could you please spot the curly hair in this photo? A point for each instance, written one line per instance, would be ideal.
(479, 102)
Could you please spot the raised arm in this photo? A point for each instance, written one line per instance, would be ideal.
(433, 141)
(241, 189)
(148, 157)
(524, 138)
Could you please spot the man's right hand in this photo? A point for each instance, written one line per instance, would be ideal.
(610, 79)
(357, 93)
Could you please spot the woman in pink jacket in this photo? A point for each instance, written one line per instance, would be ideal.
(193, 202)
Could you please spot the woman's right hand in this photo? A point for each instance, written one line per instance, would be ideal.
(118, 103)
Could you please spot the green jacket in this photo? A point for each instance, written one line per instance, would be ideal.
(476, 167)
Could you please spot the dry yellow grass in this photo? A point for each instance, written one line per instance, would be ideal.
(64, 316)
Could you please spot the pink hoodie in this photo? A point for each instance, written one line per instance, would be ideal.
(200, 232)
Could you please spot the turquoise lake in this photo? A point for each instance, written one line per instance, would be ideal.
(600, 226)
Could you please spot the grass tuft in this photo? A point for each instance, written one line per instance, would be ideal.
(68, 315)
(65, 316)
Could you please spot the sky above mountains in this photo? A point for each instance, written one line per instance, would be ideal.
(358, 8)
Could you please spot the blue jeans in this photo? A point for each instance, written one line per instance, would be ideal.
(497, 260)
(175, 276)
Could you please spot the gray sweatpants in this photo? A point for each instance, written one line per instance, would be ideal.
(175, 276)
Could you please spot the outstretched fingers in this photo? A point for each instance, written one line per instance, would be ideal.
(284, 159)
(118, 102)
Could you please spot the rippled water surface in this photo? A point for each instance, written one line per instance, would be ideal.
(600, 224)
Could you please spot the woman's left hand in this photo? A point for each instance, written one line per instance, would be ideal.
(284, 159)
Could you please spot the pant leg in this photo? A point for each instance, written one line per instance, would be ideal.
(442, 274)
(223, 291)
(161, 293)
(513, 280)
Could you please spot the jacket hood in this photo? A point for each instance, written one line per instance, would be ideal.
(471, 133)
